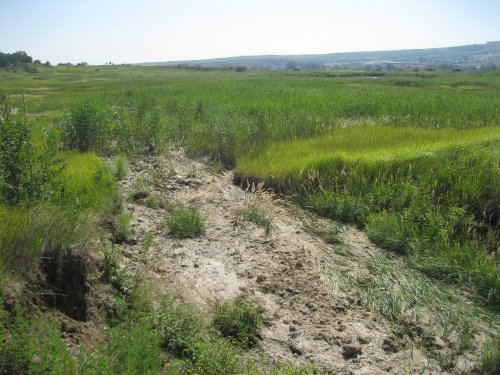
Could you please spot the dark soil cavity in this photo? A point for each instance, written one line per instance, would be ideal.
(65, 274)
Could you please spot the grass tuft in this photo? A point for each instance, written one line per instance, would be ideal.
(255, 213)
(119, 167)
(185, 223)
(238, 320)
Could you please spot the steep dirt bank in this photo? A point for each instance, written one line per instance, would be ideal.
(282, 272)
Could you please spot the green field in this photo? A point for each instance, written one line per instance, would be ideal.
(229, 114)
(412, 158)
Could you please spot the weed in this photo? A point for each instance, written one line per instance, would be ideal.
(118, 312)
(254, 213)
(490, 362)
(129, 349)
(254, 210)
(185, 223)
(123, 227)
(135, 349)
(140, 189)
(32, 346)
(112, 273)
(155, 201)
(179, 326)
(238, 320)
(214, 355)
(85, 184)
(328, 232)
(185, 335)
(119, 167)
(26, 173)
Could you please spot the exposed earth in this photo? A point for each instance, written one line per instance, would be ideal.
(285, 272)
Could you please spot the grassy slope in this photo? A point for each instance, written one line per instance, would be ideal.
(430, 194)
(371, 145)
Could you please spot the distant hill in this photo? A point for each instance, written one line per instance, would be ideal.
(469, 57)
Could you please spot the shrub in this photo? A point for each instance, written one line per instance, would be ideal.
(215, 356)
(238, 320)
(155, 201)
(112, 273)
(185, 335)
(24, 173)
(153, 137)
(32, 346)
(134, 350)
(85, 127)
(86, 183)
(185, 223)
(129, 350)
(179, 327)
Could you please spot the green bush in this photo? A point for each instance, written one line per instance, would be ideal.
(155, 201)
(129, 350)
(32, 346)
(152, 137)
(180, 326)
(25, 173)
(185, 335)
(138, 130)
(185, 223)
(213, 356)
(85, 183)
(134, 350)
(86, 128)
(238, 320)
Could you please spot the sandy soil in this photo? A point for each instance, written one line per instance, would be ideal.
(281, 272)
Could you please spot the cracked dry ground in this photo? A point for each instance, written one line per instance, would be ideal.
(281, 272)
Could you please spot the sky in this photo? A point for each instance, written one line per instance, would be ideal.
(131, 31)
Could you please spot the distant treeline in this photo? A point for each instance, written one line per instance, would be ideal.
(16, 59)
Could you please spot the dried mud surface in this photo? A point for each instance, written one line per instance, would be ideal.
(281, 272)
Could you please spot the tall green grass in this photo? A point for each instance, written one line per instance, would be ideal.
(430, 194)
(227, 114)
(85, 183)
(82, 192)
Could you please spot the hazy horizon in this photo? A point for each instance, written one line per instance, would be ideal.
(152, 30)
